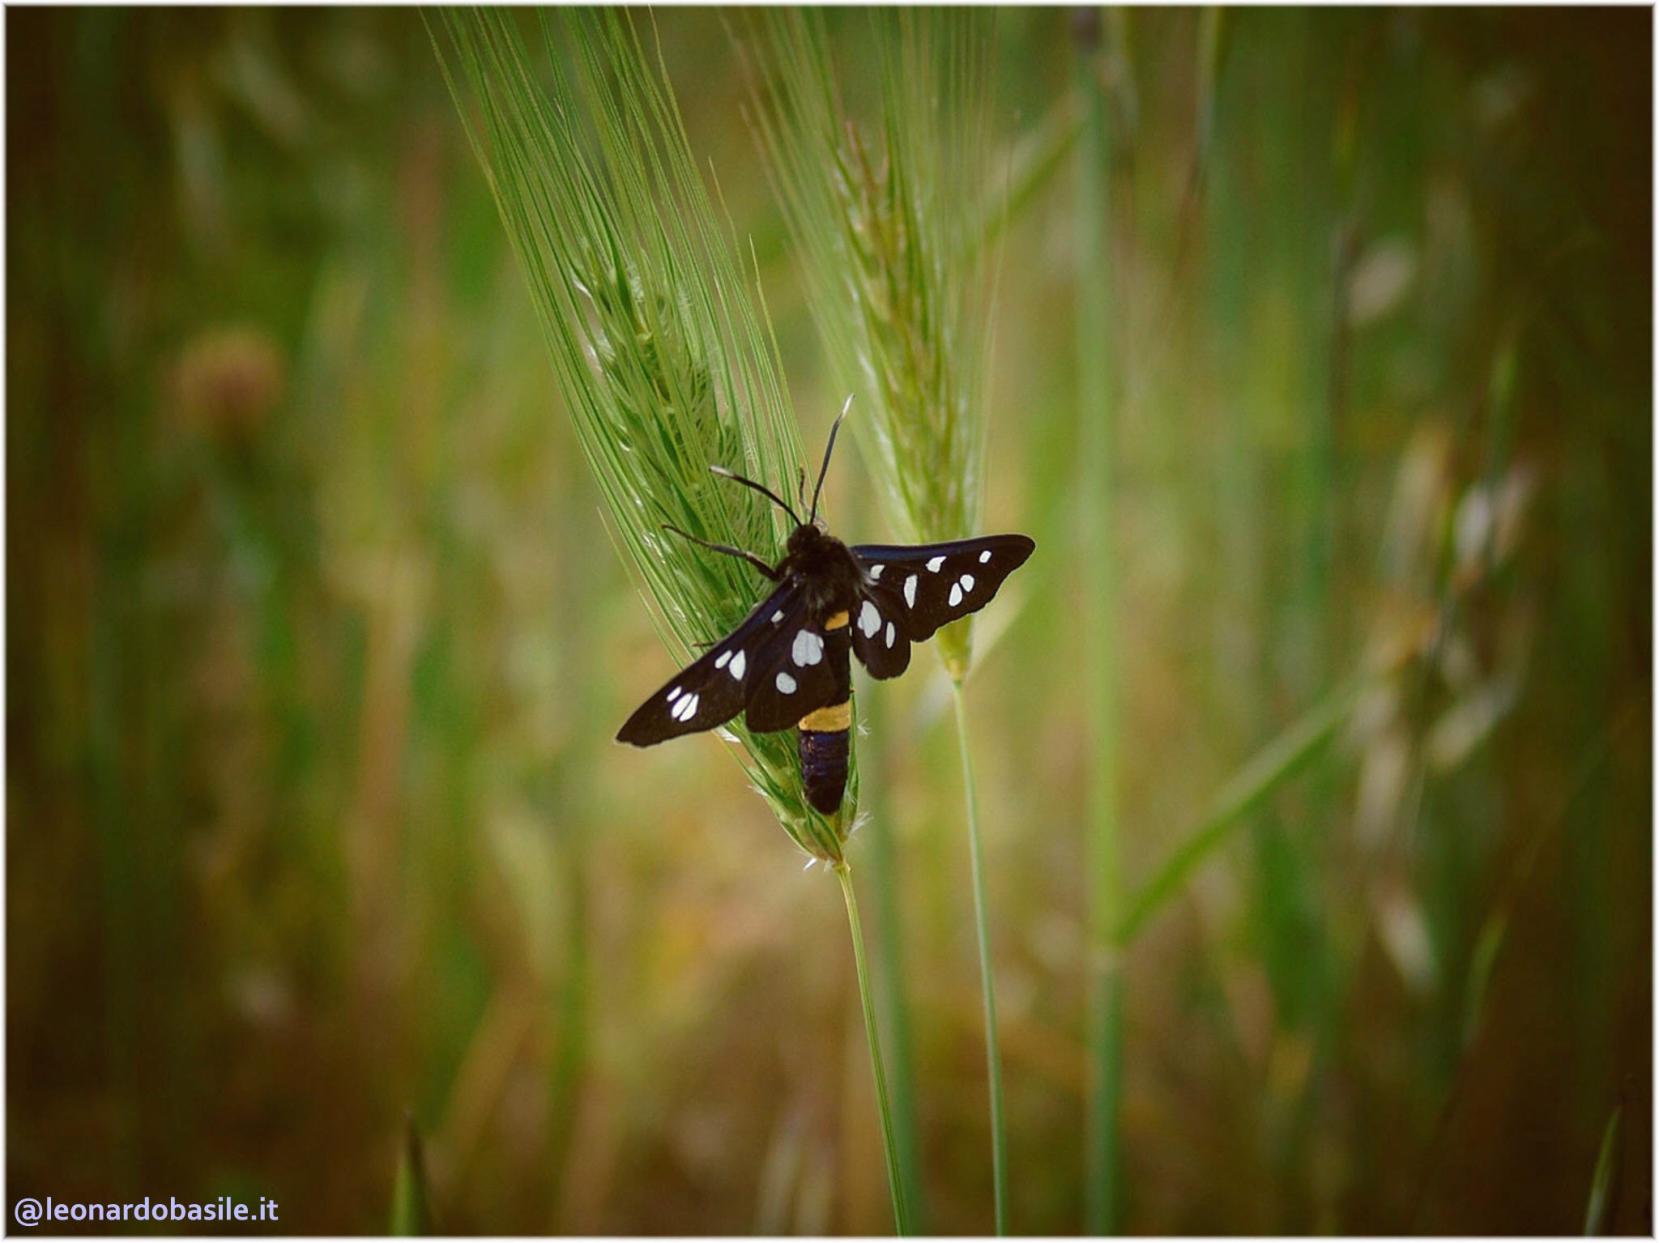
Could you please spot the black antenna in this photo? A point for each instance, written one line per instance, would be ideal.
(761, 488)
(828, 449)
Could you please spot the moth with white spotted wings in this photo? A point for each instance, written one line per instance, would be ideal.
(787, 663)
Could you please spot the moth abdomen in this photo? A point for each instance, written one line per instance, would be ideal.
(823, 748)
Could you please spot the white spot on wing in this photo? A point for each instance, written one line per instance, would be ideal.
(910, 591)
(869, 620)
(934, 563)
(875, 572)
(889, 634)
(967, 581)
(955, 594)
(777, 617)
(673, 694)
(738, 665)
(985, 557)
(786, 684)
(808, 649)
(685, 709)
(721, 663)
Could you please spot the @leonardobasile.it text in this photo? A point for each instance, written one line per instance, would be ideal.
(223, 1210)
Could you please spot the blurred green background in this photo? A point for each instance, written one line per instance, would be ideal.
(316, 645)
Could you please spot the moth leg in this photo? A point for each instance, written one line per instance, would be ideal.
(770, 571)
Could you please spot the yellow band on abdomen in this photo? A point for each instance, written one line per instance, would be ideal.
(837, 621)
(827, 720)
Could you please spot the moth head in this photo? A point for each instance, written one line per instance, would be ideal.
(807, 537)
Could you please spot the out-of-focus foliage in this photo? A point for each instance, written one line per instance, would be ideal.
(316, 643)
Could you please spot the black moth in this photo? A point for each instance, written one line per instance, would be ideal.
(786, 664)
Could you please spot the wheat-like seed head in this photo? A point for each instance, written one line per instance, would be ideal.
(657, 343)
(886, 211)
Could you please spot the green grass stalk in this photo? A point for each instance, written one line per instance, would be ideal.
(1102, 1207)
(987, 978)
(890, 984)
(895, 1180)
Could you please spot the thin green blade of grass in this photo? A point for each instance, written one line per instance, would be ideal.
(1242, 794)
(411, 1201)
(1601, 1183)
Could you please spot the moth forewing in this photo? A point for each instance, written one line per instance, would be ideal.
(805, 668)
(716, 686)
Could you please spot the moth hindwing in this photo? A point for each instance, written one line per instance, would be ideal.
(912, 590)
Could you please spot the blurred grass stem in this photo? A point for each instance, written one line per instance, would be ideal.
(411, 1200)
(1035, 166)
(1094, 363)
(993, 1051)
(895, 1182)
(1602, 1182)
